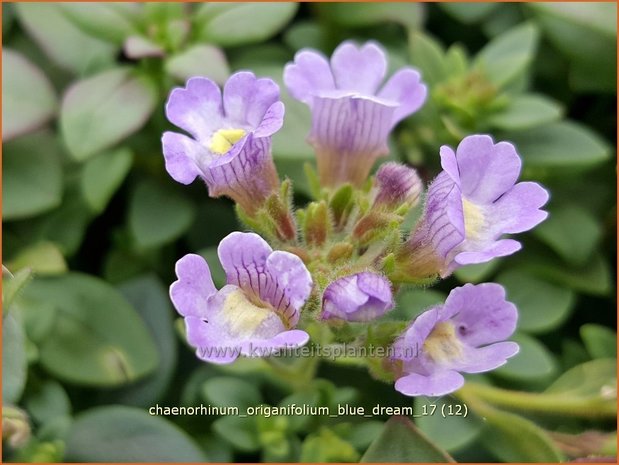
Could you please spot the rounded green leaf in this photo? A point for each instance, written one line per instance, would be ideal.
(526, 111)
(61, 40)
(542, 306)
(408, 14)
(226, 391)
(32, 181)
(110, 21)
(451, 432)
(593, 379)
(509, 55)
(600, 341)
(102, 110)
(242, 433)
(125, 434)
(150, 299)
(97, 338)
(234, 23)
(533, 362)
(199, 60)
(560, 145)
(402, 441)
(28, 99)
(572, 232)
(103, 175)
(512, 438)
(14, 362)
(43, 258)
(48, 401)
(158, 214)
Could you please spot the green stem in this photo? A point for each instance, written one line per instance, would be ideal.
(554, 404)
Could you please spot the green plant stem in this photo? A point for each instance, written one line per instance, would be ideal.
(553, 404)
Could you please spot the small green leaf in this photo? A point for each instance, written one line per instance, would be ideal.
(412, 302)
(158, 214)
(125, 434)
(102, 175)
(226, 391)
(231, 23)
(242, 433)
(99, 111)
(478, 272)
(526, 111)
(110, 21)
(12, 284)
(97, 338)
(596, 379)
(469, 13)
(48, 401)
(572, 232)
(61, 40)
(14, 362)
(600, 341)
(43, 258)
(150, 299)
(326, 446)
(199, 60)
(402, 441)
(542, 306)
(450, 432)
(28, 99)
(533, 362)
(565, 144)
(427, 54)
(32, 176)
(512, 438)
(368, 14)
(508, 56)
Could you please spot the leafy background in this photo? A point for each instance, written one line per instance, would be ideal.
(92, 226)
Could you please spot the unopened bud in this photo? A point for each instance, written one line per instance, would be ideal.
(397, 185)
(317, 223)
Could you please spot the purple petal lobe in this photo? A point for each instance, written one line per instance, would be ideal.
(487, 170)
(433, 385)
(183, 157)
(404, 87)
(519, 209)
(196, 108)
(272, 121)
(483, 314)
(243, 257)
(501, 248)
(359, 69)
(308, 76)
(479, 360)
(246, 99)
(193, 287)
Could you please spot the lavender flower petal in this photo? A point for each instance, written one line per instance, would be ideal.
(406, 88)
(360, 297)
(462, 335)
(246, 99)
(194, 286)
(359, 69)
(196, 108)
(184, 157)
(309, 76)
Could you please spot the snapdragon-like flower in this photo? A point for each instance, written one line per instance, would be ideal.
(470, 205)
(359, 297)
(351, 117)
(230, 147)
(460, 336)
(255, 313)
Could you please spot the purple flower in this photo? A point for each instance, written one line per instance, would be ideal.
(460, 336)
(230, 143)
(471, 204)
(351, 117)
(358, 297)
(255, 313)
(397, 184)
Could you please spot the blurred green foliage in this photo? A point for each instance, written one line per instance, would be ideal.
(93, 225)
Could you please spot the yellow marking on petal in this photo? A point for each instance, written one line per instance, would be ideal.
(442, 344)
(474, 221)
(241, 316)
(224, 139)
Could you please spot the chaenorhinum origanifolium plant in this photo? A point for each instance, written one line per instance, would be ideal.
(328, 272)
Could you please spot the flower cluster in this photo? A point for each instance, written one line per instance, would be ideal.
(342, 258)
